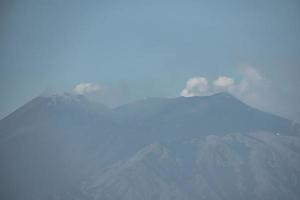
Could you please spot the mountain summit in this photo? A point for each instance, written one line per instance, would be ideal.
(217, 114)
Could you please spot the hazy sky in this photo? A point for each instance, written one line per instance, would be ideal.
(127, 50)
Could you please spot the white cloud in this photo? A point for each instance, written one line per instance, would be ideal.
(195, 86)
(87, 88)
(251, 73)
(252, 87)
(109, 95)
(224, 82)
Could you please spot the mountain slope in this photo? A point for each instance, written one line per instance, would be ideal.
(46, 144)
(235, 166)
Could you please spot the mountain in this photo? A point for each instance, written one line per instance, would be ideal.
(217, 114)
(65, 147)
(45, 144)
(233, 167)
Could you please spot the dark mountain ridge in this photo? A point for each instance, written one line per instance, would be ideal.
(215, 114)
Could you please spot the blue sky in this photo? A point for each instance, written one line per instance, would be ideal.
(139, 48)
